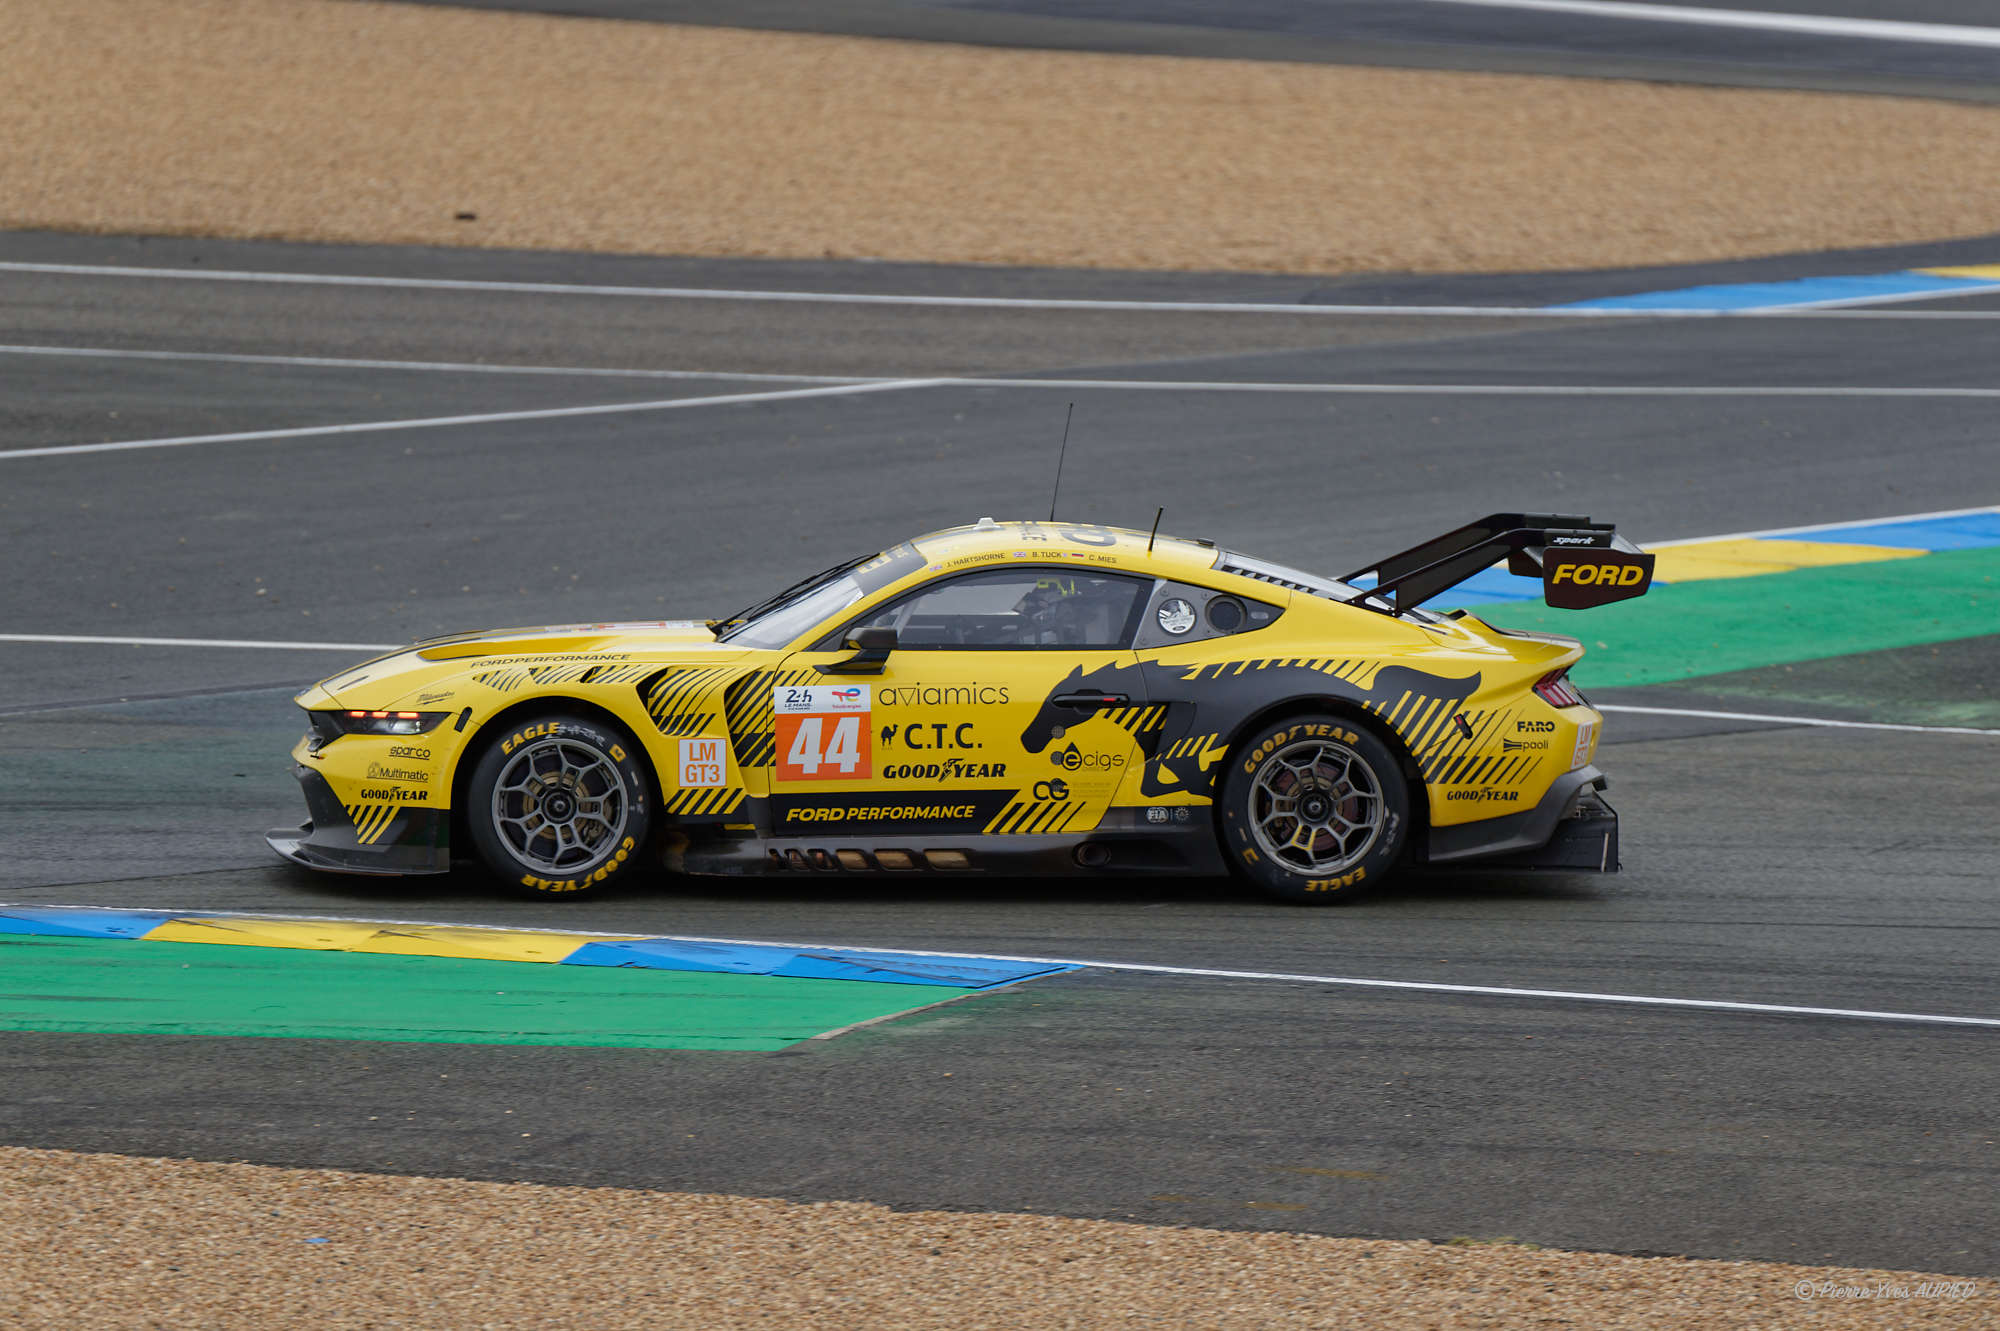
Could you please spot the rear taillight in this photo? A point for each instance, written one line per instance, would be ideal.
(1557, 691)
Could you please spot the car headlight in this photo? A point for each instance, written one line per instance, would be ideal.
(350, 722)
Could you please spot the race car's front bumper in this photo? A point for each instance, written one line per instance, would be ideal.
(1572, 829)
(405, 840)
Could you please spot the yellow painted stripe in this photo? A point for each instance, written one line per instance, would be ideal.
(1988, 271)
(401, 940)
(490, 945)
(1705, 560)
(317, 935)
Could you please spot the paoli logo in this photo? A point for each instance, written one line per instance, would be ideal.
(1579, 579)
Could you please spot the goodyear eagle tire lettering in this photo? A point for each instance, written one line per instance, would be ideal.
(557, 808)
(1314, 810)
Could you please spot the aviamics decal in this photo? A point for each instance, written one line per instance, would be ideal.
(942, 695)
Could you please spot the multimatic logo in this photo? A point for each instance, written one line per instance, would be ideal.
(941, 695)
(377, 772)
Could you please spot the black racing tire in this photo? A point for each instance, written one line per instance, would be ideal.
(559, 805)
(1315, 809)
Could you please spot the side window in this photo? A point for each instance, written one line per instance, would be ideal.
(1182, 612)
(999, 609)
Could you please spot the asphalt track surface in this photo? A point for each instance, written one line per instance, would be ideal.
(1830, 45)
(1766, 864)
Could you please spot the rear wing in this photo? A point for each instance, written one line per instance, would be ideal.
(1581, 563)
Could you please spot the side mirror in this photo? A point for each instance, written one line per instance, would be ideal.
(872, 647)
(879, 638)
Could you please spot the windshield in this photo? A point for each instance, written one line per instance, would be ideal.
(776, 621)
(780, 624)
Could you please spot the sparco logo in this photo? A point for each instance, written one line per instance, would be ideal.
(1574, 540)
(409, 751)
(940, 695)
(1073, 760)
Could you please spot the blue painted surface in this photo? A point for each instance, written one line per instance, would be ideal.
(747, 959)
(71, 922)
(1966, 531)
(1804, 291)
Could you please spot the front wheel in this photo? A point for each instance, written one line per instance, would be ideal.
(1315, 810)
(558, 805)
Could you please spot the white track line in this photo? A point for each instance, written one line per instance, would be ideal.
(1128, 967)
(1471, 390)
(1824, 526)
(978, 302)
(1821, 721)
(849, 386)
(487, 418)
(1888, 298)
(206, 642)
(432, 366)
(1817, 25)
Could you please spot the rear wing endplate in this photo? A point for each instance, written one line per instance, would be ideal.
(1581, 563)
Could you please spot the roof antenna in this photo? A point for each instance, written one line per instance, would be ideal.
(1156, 528)
(1059, 461)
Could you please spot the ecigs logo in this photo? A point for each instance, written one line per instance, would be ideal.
(1072, 759)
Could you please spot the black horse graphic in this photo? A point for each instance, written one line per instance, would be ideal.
(1207, 704)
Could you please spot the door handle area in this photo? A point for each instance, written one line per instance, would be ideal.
(1091, 702)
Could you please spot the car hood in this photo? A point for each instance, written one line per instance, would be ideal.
(423, 675)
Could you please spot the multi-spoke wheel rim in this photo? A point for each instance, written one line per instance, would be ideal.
(1316, 807)
(560, 805)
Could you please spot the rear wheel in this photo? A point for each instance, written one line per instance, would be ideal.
(1315, 810)
(559, 806)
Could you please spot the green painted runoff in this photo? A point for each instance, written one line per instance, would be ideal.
(117, 986)
(1690, 629)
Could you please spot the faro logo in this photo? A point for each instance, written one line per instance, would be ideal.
(1533, 727)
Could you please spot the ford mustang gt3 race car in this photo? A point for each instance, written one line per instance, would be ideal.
(1018, 697)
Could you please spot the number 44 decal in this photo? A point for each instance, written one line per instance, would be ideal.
(824, 747)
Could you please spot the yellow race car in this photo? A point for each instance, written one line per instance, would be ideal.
(1005, 697)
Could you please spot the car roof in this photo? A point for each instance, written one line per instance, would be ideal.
(1078, 543)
